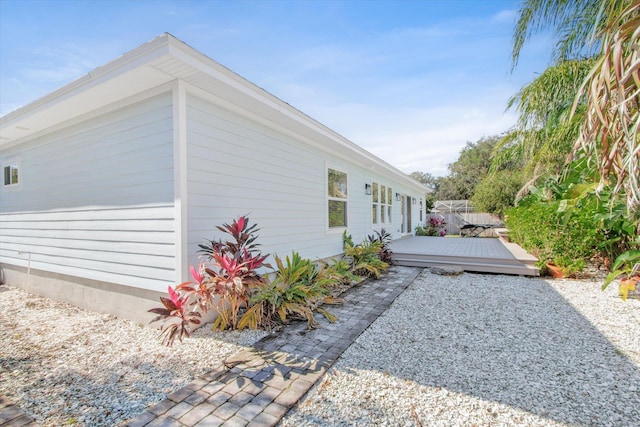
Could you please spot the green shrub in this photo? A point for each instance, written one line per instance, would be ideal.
(570, 223)
(364, 257)
(435, 226)
(340, 271)
(299, 288)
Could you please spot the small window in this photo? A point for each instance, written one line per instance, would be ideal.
(337, 196)
(11, 174)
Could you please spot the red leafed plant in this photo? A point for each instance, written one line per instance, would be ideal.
(230, 273)
(233, 270)
(176, 307)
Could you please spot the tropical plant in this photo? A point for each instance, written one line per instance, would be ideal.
(229, 274)
(609, 31)
(364, 257)
(383, 237)
(611, 133)
(299, 288)
(340, 271)
(435, 226)
(233, 270)
(177, 310)
(626, 265)
(543, 139)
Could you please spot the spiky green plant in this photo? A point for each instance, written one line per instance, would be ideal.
(364, 257)
(299, 287)
(340, 271)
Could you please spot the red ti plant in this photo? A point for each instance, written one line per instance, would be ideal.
(201, 289)
(233, 270)
(177, 308)
(230, 273)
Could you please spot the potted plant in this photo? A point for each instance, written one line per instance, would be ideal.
(626, 265)
(554, 270)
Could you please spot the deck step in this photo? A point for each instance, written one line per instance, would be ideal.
(477, 255)
(460, 260)
(481, 267)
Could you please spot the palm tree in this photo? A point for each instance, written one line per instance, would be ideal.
(544, 136)
(610, 29)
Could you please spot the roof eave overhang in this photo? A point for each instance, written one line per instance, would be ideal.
(158, 62)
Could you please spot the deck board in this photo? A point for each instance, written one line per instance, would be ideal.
(472, 254)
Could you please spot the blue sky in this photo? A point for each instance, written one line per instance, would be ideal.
(410, 81)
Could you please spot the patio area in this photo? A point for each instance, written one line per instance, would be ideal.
(486, 255)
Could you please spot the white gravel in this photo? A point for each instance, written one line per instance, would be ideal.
(63, 365)
(488, 350)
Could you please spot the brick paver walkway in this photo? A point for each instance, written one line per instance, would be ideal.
(257, 386)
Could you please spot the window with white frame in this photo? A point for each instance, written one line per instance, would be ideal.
(11, 171)
(337, 198)
(381, 202)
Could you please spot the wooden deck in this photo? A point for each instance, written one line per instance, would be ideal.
(487, 255)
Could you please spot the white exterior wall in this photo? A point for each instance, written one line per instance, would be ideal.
(237, 166)
(95, 199)
(395, 226)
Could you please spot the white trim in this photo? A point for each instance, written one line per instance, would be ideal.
(180, 169)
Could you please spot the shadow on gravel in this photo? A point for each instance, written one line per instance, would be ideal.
(520, 345)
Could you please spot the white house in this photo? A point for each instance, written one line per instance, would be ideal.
(111, 182)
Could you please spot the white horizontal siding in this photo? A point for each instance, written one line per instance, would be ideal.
(96, 199)
(118, 159)
(237, 167)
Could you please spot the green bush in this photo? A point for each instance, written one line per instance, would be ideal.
(434, 226)
(299, 288)
(364, 257)
(572, 226)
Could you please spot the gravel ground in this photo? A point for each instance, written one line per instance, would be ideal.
(63, 365)
(488, 350)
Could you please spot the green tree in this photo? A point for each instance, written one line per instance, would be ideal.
(546, 131)
(497, 191)
(425, 178)
(432, 183)
(468, 170)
